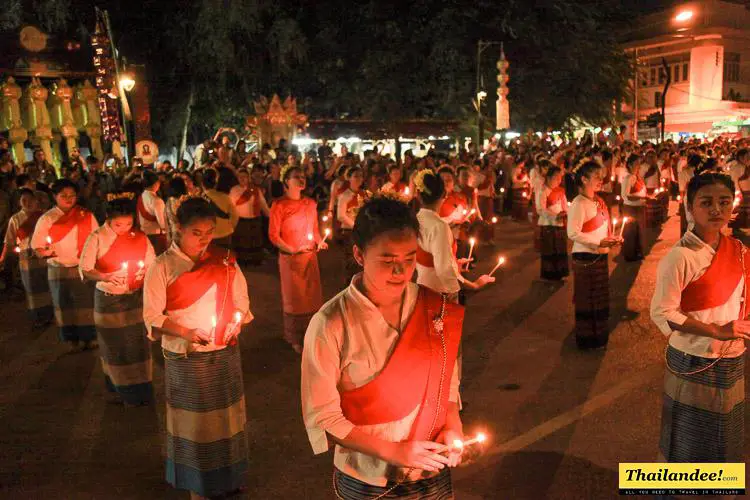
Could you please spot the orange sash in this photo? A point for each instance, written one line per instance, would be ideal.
(425, 258)
(130, 248)
(411, 376)
(719, 281)
(143, 212)
(26, 229)
(77, 217)
(637, 186)
(247, 195)
(601, 217)
(216, 267)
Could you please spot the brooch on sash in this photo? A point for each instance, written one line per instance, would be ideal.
(437, 321)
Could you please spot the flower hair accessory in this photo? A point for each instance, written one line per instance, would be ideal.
(582, 162)
(284, 170)
(419, 181)
(120, 196)
(185, 197)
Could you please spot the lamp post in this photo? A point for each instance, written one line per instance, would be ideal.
(479, 92)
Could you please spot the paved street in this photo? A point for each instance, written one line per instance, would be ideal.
(559, 419)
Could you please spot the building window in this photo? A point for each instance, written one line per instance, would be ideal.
(652, 77)
(644, 78)
(676, 77)
(731, 67)
(657, 99)
(662, 76)
(685, 71)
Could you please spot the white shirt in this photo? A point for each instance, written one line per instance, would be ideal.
(11, 234)
(436, 238)
(155, 206)
(653, 181)
(548, 215)
(581, 210)
(625, 188)
(247, 209)
(347, 344)
(342, 211)
(97, 245)
(737, 171)
(683, 178)
(687, 261)
(67, 248)
(166, 269)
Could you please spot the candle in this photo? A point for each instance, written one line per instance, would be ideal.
(141, 264)
(473, 211)
(679, 197)
(309, 236)
(326, 233)
(622, 227)
(213, 329)
(618, 197)
(49, 240)
(471, 250)
(502, 190)
(494, 220)
(614, 224)
(525, 194)
(124, 266)
(460, 445)
(17, 249)
(500, 262)
(407, 191)
(465, 212)
(325, 218)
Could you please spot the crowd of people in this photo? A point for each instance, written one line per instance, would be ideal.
(120, 256)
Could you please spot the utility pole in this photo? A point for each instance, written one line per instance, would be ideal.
(664, 96)
(479, 93)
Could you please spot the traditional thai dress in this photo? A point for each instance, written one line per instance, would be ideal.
(741, 223)
(118, 311)
(703, 415)
(666, 176)
(152, 219)
(33, 270)
(338, 187)
(394, 384)
(683, 178)
(226, 217)
(553, 239)
(206, 415)
(588, 225)
(72, 297)
(347, 209)
(486, 202)
(453, 211)
(399, 188)
(653, 210)
(634, 232)
(301, 293)
(248, 235)
(436, 255)
(170, 210)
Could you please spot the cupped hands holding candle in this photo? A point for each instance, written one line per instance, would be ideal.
(323, 245)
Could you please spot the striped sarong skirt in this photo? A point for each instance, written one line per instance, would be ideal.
(206, 440)
(123, 346)
(247, 240)
(73, 300)
(33, 273)
(653, 213)
(634, 233)
(554, 252)
(434, 488)
(591, 299)
(703, 415)
(520, 205)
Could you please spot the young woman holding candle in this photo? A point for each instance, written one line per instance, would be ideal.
(116, 257)
(740, 173)
(590, 229)
(437, 266)
(455, 210)
(700, 305)
(552, 207)
(59, 237)
(196, 299)
(33, 270)
(293, 229)
(348, 205)
(691, 167)
(250, 205)
(633, 193)
(152, 218)
(375, 356)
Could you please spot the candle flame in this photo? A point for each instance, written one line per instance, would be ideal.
(124, 266)
(325, 218)
(481, 438)
(614, 221)
(525, 194)
(465, 211)
(618, 197)
(500, 261)
(494, 220)
(457, 443)
(213, 321)
(18, 249)
(625, 220)
(309, 236)
(406, 191)
(612, 178)
(327, 231)
(679, 197)
(502, 190)
(473, 211)
(238, 316)
(49, 240)
(472, 241)
(141, 264)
